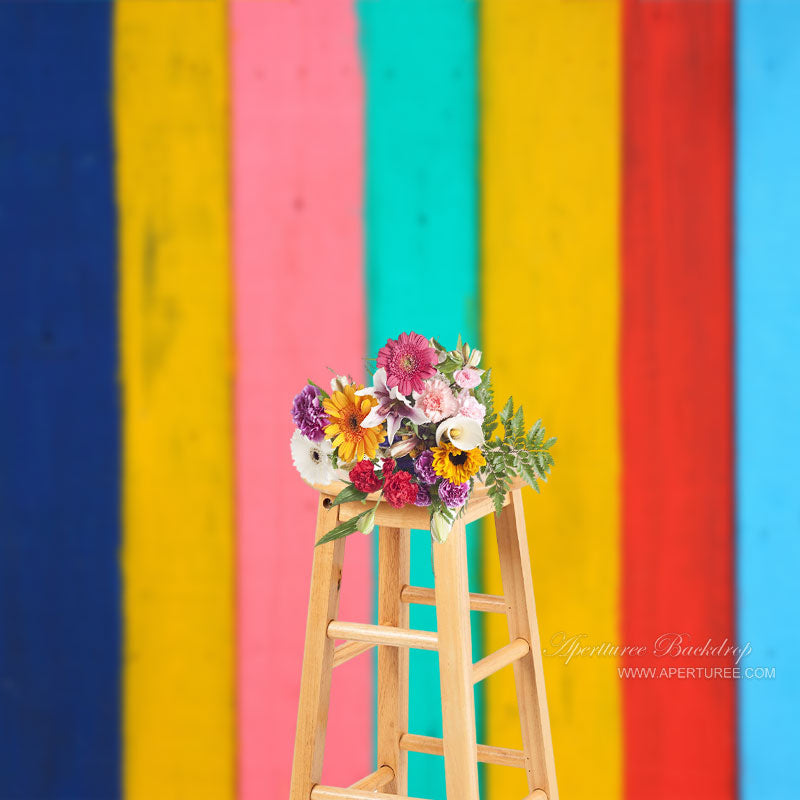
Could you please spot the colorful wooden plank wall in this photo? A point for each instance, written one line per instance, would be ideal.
(421, 227)
(203, 203)
(297, 155)
(550, 302)
(767, 334)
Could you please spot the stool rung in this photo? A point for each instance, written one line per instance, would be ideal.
(383, 634)
(538, 794)
(332, 793)
(499, 659)
(344, 652)
(491, 603)
(487, 754)
(375, 780)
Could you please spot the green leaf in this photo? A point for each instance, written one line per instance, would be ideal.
(322, 392)
(348, 495)
(518, 423)
(508, 410)
(550, 442)
(343, 529)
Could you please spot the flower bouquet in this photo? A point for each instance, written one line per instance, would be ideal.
(422, 434)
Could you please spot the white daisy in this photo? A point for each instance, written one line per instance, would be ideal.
(312, 459)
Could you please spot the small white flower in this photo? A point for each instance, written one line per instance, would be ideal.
(312, 459)
(463, 432)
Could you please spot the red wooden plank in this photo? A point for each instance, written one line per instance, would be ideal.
(676, 391)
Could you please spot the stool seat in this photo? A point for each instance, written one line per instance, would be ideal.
(414, 517)
(452, 640)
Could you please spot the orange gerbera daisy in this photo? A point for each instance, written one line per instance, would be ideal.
(346, 411)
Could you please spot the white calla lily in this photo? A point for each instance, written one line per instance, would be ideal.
(463, 432)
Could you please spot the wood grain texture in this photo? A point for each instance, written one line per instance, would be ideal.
(495, 661)
(534, 717)
(488, 754)
(382, 635)
(455, 665)
(171, 122)
(297, 172)
(379, 779)
(676, 384)
(550, 133)
(332, 793)
(315, 681)
(394, 559)
(490, 603)
(344, 652)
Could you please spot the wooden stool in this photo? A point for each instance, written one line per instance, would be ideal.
(458, 674)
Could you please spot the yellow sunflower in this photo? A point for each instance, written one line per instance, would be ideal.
(457, 466)
(346, 412)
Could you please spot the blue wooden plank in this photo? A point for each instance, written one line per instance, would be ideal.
(420, 61)
(768, 389)
(59, 416)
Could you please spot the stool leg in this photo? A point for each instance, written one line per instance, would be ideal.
(455, 665)
(315, 684)
(515, 568)
(393, 571)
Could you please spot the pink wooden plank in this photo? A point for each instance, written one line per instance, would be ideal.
(297, 176)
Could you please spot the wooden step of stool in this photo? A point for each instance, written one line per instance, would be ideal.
(452, 640)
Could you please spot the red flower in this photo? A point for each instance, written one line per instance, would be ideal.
(364, 478)
(399, 490)
(387, 468)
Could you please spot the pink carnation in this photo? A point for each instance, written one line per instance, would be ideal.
(437, 400)
(468, 406)
(468, 377)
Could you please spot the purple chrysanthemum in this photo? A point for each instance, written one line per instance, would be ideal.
(308, 413)
(423, 466)
(454, 495)
(423, 498)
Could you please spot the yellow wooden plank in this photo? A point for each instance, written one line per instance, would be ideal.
(550, 174)
(170, 113)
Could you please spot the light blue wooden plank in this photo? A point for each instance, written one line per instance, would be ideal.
(768, 389)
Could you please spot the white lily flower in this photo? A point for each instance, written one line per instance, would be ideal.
(404, 447)
(392, 407)
(463, 432)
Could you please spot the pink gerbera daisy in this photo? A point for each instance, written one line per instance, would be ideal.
(408, 361)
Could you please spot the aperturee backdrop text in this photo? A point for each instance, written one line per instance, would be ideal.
(422, 434)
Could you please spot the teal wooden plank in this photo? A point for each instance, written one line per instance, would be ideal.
(420, 64)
